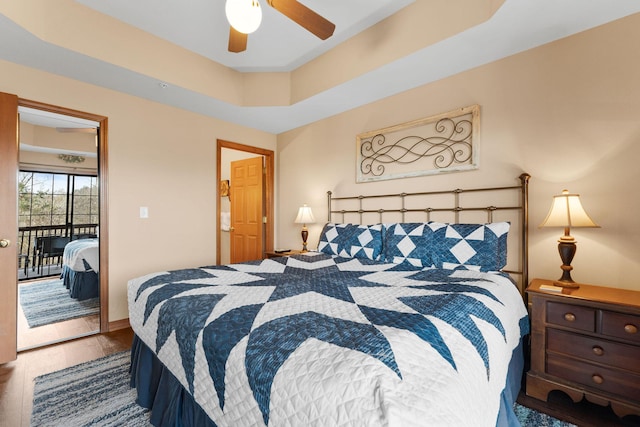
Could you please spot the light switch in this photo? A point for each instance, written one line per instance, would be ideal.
(144, 212)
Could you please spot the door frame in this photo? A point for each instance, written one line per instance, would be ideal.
(268, 189)
(103, 170)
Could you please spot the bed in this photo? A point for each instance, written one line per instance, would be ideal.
(401, 322)
(80, 268)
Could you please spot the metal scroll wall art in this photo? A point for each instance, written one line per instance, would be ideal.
(443, 143)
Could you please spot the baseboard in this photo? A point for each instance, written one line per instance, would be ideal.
(119, 324)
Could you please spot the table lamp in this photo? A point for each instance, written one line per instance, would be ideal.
(305, 216)
(567, 211)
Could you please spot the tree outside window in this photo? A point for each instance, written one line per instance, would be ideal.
(55, 204)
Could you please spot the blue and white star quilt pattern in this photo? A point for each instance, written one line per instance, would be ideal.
(322, 340)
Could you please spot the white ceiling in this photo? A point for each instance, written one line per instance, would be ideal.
(53, 120)
(280, 44)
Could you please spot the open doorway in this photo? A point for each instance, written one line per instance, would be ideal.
(59, 289)
(226, 153)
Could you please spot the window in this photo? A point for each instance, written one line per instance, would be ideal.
(55, 204)
(50, 199)
(84, 200)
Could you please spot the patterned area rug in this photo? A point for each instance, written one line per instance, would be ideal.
(95, 393)
(530, 418)
(100, 389)
(49, 302)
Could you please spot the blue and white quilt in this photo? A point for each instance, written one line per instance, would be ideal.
(82, 255)
(322, 340)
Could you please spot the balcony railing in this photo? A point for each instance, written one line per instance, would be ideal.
(33, 261)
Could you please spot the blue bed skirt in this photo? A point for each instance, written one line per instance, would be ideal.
(82, 285)
(159, 391)
(507, 417)
(171, 405)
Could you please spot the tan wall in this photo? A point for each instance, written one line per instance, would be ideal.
(159, 157)
(49, 137)
(567, 113)
(40, 136)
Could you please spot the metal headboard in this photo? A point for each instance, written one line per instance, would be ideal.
(456, 207)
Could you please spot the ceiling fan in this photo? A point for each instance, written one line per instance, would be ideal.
(245, 16)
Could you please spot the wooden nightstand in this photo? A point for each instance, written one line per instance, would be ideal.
(274, 254)
(586, 343)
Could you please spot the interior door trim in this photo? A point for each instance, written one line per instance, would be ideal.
(269, 189)
(103, 173)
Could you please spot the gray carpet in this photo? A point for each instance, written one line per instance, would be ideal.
(49, 302)
(97, 393)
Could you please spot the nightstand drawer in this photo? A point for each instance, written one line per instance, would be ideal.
(585, 342)
(571, 316)
(610, 380)
(597, 350)
(620, 325)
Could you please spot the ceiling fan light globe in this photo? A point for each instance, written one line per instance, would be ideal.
(244, 15)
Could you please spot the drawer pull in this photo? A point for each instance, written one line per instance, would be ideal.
(631, 329)
(597, 350)
(597, 379)
(570, 317)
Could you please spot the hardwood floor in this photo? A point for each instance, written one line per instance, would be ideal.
(16, 378)
(29, 338)
(42, 335)
(16, 383)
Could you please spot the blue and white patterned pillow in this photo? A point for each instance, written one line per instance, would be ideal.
(480, 247)
(352, 240)
(409, 243)
(330, 238)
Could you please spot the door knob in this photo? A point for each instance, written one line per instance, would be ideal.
(4, 243)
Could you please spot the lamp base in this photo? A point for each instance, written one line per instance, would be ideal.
(567, 249)
(305, 235)
(569, 285)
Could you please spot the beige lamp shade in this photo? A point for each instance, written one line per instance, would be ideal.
(305, 216)
(567, 211)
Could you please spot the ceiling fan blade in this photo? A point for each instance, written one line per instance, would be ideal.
(304, 17)
(237, 40)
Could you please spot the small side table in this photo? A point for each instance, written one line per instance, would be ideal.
(274, 254)
(586, 343)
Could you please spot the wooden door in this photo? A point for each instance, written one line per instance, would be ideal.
(8, 226)
(247, 210)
